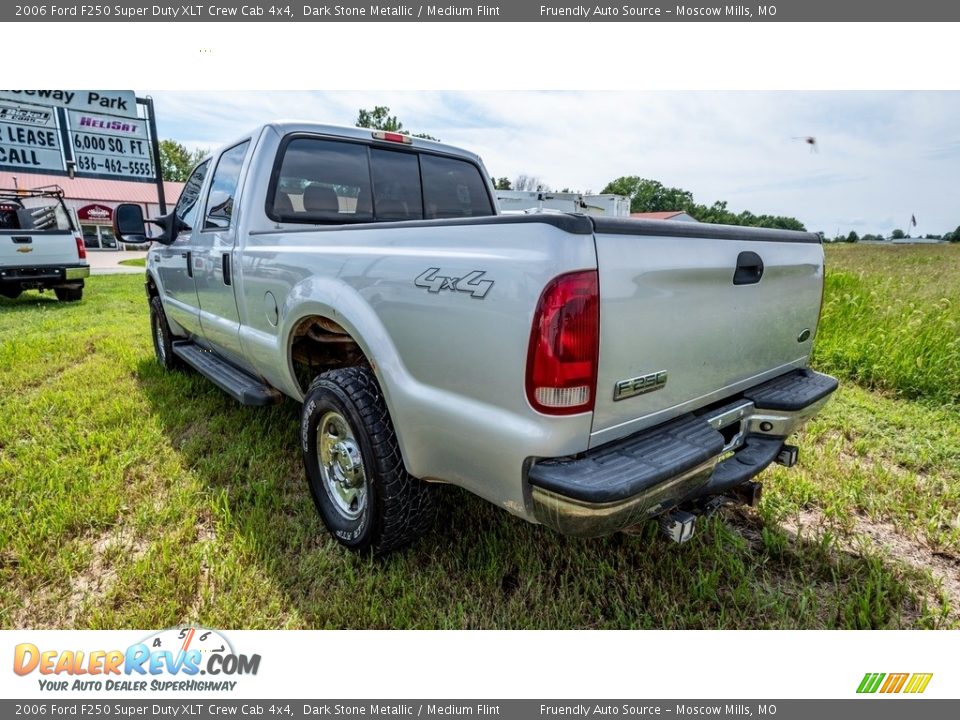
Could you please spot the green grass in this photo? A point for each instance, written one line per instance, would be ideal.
(134, 262)
(891, 319)
(130, 497)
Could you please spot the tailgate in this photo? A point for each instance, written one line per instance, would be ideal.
(19, 248)
(677, 332)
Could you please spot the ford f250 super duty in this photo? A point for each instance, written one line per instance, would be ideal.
(40, 249)
(586, 373)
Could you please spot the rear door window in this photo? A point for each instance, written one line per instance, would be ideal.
(453, 188)
(322, 181)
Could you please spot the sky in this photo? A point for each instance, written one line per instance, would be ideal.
(881, 157)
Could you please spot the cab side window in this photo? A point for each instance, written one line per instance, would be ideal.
(188, 205)
(223, 189)
(322, 181)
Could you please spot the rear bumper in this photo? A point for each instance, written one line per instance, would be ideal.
(43, 275)
(696, 455)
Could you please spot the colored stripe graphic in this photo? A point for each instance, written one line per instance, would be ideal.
(894, 683)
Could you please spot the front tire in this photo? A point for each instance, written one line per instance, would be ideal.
(365, 496)
(162, 337)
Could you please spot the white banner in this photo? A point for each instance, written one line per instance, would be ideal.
(490, 664)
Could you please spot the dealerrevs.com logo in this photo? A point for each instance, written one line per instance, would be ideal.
(179, 659)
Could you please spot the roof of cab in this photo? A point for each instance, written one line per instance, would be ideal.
(285, 127)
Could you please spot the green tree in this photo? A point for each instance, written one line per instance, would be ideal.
(502, 183)
(380, 119)
(853, 237)
(649, 195)
(176, 162)
(653, 196)
(897, 234)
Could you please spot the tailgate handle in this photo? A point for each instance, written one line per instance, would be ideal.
(749, 268)
(23, 239)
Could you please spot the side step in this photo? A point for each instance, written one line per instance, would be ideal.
(242, 387)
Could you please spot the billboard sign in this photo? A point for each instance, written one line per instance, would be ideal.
(114, 102)
(83, 133)
(30, 139)
(106, 145)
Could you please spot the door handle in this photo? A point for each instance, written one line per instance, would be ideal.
(749, 268)
(189, 256)
(226, 269)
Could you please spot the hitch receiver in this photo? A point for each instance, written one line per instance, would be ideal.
(788, 456)
(678, 525)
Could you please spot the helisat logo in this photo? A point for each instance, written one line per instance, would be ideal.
(183, 653)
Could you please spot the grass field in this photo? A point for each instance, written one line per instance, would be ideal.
(134, 498)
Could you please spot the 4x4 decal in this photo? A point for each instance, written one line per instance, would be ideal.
(469, 283)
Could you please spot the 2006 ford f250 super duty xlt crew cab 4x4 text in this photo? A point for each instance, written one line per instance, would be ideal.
(586, 373)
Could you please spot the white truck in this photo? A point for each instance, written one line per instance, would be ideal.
(40, 249)
(585, 373)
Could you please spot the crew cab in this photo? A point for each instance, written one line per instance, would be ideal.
(40, 249)
(585, 373)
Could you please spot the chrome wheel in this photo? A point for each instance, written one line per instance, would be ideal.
(159, 339)
(341, 465)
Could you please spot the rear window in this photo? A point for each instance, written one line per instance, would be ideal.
(329, 181)
(452, 188)
(323, 181)
(396, 185)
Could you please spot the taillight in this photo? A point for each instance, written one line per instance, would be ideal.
(564, 345)
(81, 248)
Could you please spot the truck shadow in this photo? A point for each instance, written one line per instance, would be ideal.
(274, 565)
(31, 300)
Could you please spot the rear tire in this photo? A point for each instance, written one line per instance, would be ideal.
(69, 294)
(365, 496)
(11, 293)
(162, 337)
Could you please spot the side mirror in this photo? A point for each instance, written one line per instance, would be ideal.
(130, 227)
(128, 224)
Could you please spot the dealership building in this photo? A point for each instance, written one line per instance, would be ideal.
(93, 201)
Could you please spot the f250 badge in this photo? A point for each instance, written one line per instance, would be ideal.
(469, 283)
(624, 389)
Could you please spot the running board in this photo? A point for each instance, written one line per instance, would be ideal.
(242, 387)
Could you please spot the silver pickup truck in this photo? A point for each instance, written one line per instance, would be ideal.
(585, 373)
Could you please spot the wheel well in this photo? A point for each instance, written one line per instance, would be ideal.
(320, 344)
(152, 290)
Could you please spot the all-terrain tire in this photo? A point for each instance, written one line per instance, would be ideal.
(162, 337)
(397, 508)
(69, 294)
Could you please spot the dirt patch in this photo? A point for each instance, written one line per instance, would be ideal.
(87, 587)
(943, 567)
(206, 535)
